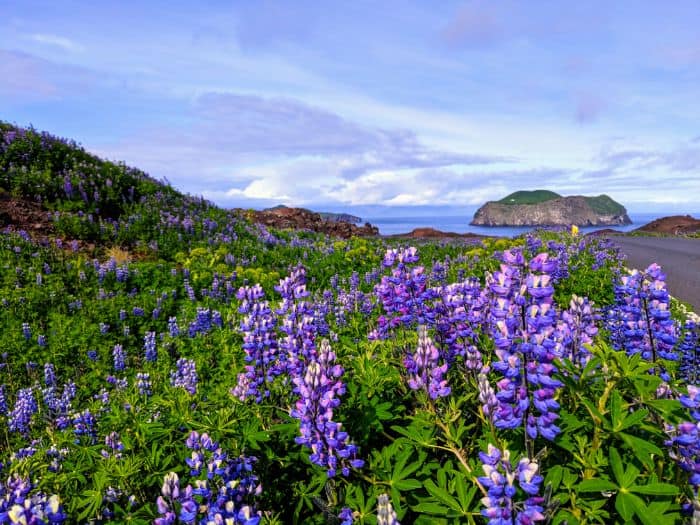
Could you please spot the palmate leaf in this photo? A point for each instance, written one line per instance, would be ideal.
(642, 449)
(655, 489)
(596, 485)
(616, 465)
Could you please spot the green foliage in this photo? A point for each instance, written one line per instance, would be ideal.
(529, 197)
(605, 205)
(609, 465)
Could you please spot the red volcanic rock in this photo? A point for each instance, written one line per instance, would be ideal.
(284, 218)
(675, 225)
(22, 214)
(432, 233)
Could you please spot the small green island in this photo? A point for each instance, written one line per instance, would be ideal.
(548, 208)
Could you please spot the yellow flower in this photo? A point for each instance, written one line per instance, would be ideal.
(574, 230)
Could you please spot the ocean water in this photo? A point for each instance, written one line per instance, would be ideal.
(460, 224)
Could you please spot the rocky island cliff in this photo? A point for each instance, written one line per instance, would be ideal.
(546, 208)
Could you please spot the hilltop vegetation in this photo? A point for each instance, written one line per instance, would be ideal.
(546, 208)
(166, 361)
(529, 197)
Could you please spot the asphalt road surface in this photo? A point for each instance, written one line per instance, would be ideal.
(679, 257)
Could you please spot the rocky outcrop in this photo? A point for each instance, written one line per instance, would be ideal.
(432, 233)
(340, 217)
(562, 211)
(302, 219)
(674, 225)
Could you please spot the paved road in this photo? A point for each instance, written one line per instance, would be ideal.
(679, 258)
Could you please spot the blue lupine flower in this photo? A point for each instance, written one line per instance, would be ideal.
(501, 505)
(114, 446)
(224, 496)
(424, 369)
(26, 331)
(85, 424)
(143, 383)
(185, 376)
(386, 515)
(21, 415)
(260, 346)
(319, 389)
(149, 345)
(689, 348)
(173, 329)
(119, 358)
(18, 504)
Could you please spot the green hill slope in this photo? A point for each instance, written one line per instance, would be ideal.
(529, 197)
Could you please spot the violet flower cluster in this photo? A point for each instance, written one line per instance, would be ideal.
(21, 415)
(576, 328)
(425, 370)
(640, 322)
(149, 347)
(522, 320)
(221, 488)
(298, 344)
(689, 349)
(19, 504)
(259, 345)
(502, 506)
(386, 515)
(185, 376)
(319, 389)
(402, 294)
(457, 315)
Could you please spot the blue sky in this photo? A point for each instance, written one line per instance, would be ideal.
(359, 103)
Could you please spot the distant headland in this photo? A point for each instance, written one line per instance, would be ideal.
(547, 208)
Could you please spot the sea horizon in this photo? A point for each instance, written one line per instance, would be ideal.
(389, 225)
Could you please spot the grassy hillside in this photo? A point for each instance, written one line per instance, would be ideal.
(181, 365)
(605, 205)
(529, 197)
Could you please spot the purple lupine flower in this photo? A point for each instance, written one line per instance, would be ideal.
(20, 504)
(346, 516)
(25, 407)
(684, 445)
(640, 322)
(137, 311)
(424, 369)
(104, 328)
(114, 446)
(3, 401)
(119, 358)
(260, 346)
(487, 395)
(499, 481)
(143, 383)
(224, 495)
(26, 331)
(85, 424)
(319, 389)
(577, 328)
(403, 294)
(49, 374)
(92, 355)
(689, 348)
(185, 376)
(386, 515)
(522, 321)
(59, 406)
(173, 328)
(149, 346)
(298, 344)
(41, 340)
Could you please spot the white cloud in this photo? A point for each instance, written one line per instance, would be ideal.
(57, 41)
